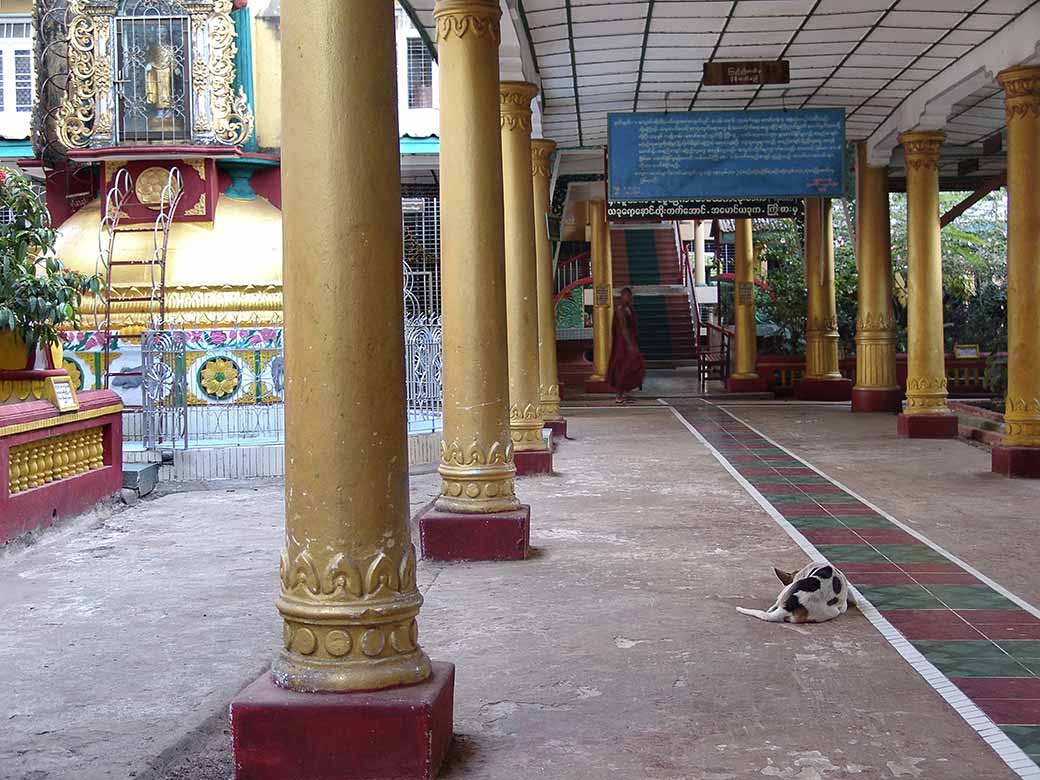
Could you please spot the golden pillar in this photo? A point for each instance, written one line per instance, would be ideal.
(877, 387)
(745, 377)
(926, 352)
(821, 335)
(525, 419)
(549, 381)
(700, 230)
(602, 290)
(348, 592)
(477, 467)
(1022, 415)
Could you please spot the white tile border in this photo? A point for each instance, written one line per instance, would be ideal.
(1010, 753)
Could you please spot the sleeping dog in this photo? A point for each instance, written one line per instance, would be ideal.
(817, 593)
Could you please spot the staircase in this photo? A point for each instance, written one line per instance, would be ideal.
(647, 260)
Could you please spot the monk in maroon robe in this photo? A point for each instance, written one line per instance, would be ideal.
(627, 367)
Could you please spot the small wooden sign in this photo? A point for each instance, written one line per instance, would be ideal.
(62, 393)
(732, 74)
(966, 350)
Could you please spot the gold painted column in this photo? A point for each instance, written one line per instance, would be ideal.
(699, 270)
(822, 380)
(348, 593)
(745, 341)
(477, 467)
(821, 336)
(1019, 453)
(877, 386)
(926, 353)
(525, 419)
(602, 291)
(549, 381)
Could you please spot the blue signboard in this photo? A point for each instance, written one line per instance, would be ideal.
(727, 154)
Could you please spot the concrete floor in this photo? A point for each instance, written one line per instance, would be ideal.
(614, 652)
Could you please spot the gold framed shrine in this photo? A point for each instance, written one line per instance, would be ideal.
(152, 72)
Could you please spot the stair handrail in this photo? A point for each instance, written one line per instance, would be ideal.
(582, 282)
(572, 268)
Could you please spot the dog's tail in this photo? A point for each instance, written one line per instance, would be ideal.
(773, 616)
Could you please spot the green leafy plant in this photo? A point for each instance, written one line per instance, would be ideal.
(38, 295)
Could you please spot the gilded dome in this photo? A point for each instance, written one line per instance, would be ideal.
(241, 248)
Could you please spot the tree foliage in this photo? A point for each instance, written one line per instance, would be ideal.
(974, 250)
(38, 295)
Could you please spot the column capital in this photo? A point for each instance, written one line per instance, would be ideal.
(460, 18)
(922, 148)
(541, 151)
(1021, 91)
(515, 100)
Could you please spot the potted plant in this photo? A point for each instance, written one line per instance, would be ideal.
(38, 295)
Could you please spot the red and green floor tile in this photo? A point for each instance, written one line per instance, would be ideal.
(986, 644)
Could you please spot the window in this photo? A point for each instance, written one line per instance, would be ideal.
(22, 80)
(420, 75)
(1, 79)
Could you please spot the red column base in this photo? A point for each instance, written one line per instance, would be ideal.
(454, 536)
(927, 426)
(530, 463)
(558, 428)
(866, 400)
(751, 385)
(823, 389)
(397, 734)
(599, 388)
(1017, 461)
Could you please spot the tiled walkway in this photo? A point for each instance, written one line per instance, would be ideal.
(984, 643)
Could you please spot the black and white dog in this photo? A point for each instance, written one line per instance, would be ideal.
(817, 593)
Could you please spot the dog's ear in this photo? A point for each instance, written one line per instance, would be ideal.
(786, 577)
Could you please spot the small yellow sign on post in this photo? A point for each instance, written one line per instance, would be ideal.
(62, 394)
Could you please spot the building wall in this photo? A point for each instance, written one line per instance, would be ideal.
(16, 53)
(267, 73)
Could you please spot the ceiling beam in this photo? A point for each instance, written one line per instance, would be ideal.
(642, 54)
(574, 72)
(987, 186)
(418, 25)
(714, 51)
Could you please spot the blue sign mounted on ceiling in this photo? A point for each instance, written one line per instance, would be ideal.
(727, 154)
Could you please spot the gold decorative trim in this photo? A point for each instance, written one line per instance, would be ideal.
(22, 390)
(75, 117)
(515, 103)
(198, 165)
(199, 209)
(232, 117)
(921, 148)
(64, 419)
(1021, 92)
(475, 479)
(37, 463)
(541, 152)
(460, 18)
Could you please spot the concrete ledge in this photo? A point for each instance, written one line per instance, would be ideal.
(558, 428)
(747, 385)
(927, 426)
(531, 463)
(395, 734)
(453, 536)
(870, 400)
(823, 389)
(599, 388)
(1017, 461)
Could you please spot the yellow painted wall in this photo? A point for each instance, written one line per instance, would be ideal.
(267, 81)
(16, 6)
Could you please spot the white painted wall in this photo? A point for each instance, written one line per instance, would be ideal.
(415, 122)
